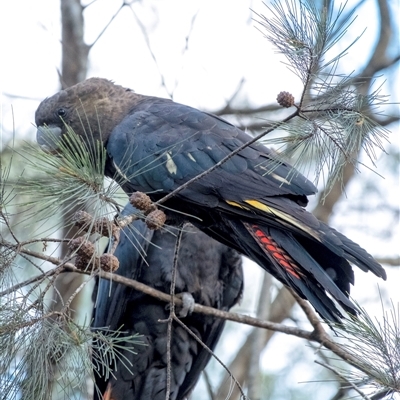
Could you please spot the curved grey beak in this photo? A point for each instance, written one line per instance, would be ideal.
(48, 138)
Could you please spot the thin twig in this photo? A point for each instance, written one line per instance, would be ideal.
(319, 335)
(46, 239)
(31, 280)
(74, 294)
(208, 385)
(53, 260)
(337, 373)
(31, 322)
(8, 226)
(152, 54)
(107, 25)
(42, 294)
(172, 310)
(191, 333)
(310, 314)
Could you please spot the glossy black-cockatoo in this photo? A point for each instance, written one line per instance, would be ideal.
(252, 202)
(207, 270)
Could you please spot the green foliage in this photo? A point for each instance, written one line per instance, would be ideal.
(334, 120)
(72, 179)
(42, 350)
(38, 350)
(375, 345)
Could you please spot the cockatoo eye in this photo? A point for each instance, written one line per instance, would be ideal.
(61, 112)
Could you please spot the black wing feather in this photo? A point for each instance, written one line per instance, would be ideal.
(204, 140)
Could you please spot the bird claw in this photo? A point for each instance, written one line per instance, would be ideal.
(187, 304)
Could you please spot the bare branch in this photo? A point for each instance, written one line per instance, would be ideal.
(263, 310)
(280, 310)
(172, 315)
(176, 319)
(108, 24)
(229, 110)
(152, 54)
(391, 261)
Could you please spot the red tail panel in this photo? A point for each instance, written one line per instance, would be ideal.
(272, 249)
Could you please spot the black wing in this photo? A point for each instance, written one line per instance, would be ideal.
(252, 202)
(162, 144)
(208, 270)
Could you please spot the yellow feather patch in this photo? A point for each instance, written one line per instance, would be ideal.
(233, 203)
(285, 217)
(259, 206)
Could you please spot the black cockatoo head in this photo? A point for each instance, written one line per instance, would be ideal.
(81, 107)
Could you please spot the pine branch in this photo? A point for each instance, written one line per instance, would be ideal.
(370, 346)
(334, 121)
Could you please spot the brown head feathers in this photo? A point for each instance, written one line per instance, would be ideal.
(91, 108)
